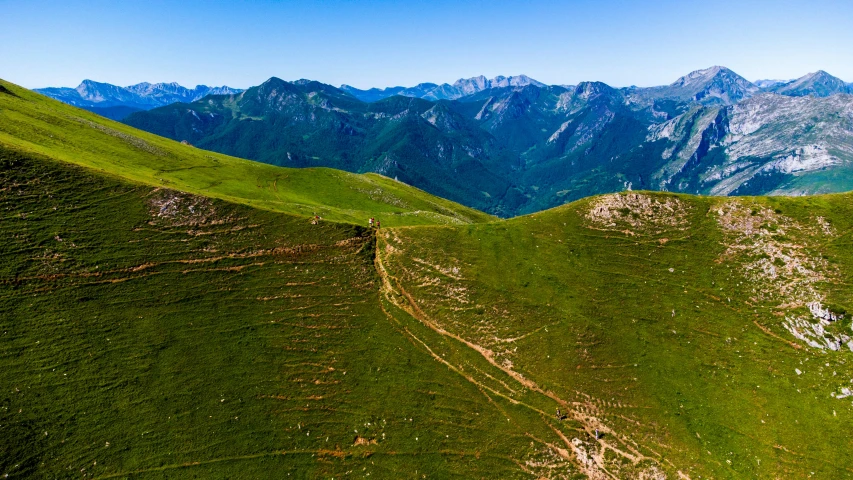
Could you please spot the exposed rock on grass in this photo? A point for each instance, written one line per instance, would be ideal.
(362, 441)
(181, 209)
(817, 334)
(778, 255)
(638, 213)
(774, 252)
(842, 392)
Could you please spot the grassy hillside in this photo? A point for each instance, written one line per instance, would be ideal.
(670, 324)
(173, 329)
(32, 123)
(209, 339)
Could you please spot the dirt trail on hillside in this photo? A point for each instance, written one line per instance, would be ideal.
(592, 454)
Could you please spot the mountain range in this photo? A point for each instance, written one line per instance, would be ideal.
(431, 91)
(117, 102)
(99, 96)
(711, 85)
(512, 145)
(819, 84)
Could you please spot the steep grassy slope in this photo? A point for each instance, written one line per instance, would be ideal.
(208, 339)
(677, 327)
(33, 123)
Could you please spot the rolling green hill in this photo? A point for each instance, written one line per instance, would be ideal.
(32, 123)
(210, 339)
(687, 331)
(152, 330)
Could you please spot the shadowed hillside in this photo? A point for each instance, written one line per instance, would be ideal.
(148, 333)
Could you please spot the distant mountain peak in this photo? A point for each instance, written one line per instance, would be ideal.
(705, 75)
(712, 85)
(819, 84)
(822, 75)
(272, 81)
(446, 91)
(819, 75)
(480, 80)
(590, 89)
(497, 82)
(99, 96)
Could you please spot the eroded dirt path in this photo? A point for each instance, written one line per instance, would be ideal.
(593, 448)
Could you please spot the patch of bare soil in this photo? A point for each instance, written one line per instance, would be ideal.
(590, 459)
(638, 213)
(177, 209)
(363, 441)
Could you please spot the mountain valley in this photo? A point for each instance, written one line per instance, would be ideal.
(514, 145)
(116, 102)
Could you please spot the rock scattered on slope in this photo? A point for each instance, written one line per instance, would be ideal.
(638, 213)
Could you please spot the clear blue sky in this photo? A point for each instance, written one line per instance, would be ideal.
(382, 43)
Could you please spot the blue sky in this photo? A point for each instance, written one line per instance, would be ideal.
(382, 43)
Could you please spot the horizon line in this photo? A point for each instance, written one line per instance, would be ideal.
(214, 85)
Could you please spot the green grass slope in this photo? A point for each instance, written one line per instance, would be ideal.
(149, 333)
(677, 327)
(32, 123)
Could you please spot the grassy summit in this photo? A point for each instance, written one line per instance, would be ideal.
(152, 330)
(678, 327)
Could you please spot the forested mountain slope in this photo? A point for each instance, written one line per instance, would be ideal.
(511, 149)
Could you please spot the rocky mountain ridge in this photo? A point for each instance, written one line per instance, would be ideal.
(431, 91)
(116, 102)
(818, 84)
(711, 86)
